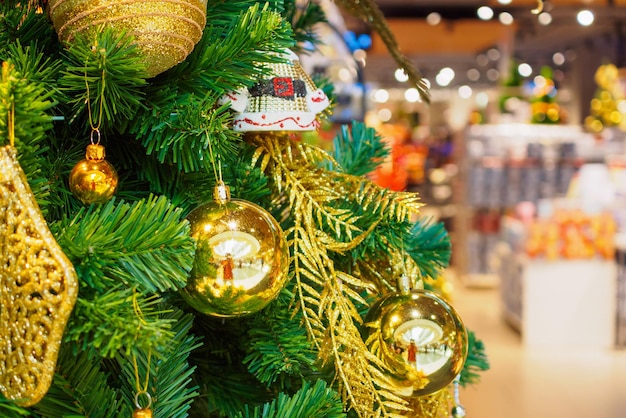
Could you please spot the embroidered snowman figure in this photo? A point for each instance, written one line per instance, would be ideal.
(286, 101)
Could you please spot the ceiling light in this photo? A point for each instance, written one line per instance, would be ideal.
(485, 12)
(412, 95)
(473, 74)
(433, 18)
(381, 96)
(493, 54)
(345, 75)
(544, 18)
(482, 60)
(445, 76)
(493, 74)
(506, 18)
(400, 75)
(465, 92)
(585, 17)
(504, 1)
(524, 69)
(384, 114)
(482, 99)
(558, 58)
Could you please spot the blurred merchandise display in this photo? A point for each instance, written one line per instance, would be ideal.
(504, 165)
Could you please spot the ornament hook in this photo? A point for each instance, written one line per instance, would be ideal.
(539, 8)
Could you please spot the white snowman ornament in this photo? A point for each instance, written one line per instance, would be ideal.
(288, 100)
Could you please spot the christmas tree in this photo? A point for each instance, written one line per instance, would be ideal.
(607, 106)
(115, 297)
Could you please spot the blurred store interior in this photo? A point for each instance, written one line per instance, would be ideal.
(521, 152)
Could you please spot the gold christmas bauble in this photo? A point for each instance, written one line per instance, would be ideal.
(241, 261)
(420, 338)
(165, 31)
(94, 179)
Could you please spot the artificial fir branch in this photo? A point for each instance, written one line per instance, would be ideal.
(32, 64)
(429, 245)
(20, 21)
(8, 409)
(358, 149)
(476, 362)
(317, 401)
(145, 244)
(106, 71)
(303, 17)
(29, 101)
(170, 372)
(80, 389)
(229, 55)
(278, 348)
(109, 322)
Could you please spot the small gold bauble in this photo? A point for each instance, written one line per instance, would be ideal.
(422, 341)
(165, 31)
(142, 413)
(241, 260)
(93, 180)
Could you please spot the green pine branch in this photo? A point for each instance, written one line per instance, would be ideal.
(170, 382)
(29, 102)
(225, 59)
(80, 389)
(8, 409)
(429, 246)
(229, 55)
(104, 76)
(317, 401)
(145, 245)
(304, 17)
(359, 149)
(279, 351)
(117, 321)
(27, 26)
(476, 362)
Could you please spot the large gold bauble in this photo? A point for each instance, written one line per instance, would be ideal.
(94, 179)
(420, 338)
(241, 260)
(165, 31)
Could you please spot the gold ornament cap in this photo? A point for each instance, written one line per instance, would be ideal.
(221, 193)
(95, 152)
(142, 413)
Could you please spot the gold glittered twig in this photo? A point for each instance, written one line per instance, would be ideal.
(368, 11)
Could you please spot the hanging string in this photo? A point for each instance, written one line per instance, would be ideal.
(218, 179)
(11, 124)
(141, 390)
(95, 126)
(221, 192)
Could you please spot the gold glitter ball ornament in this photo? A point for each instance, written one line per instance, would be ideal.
(94, 179)
(420, 338)
(38, 289)
(165, 31)
(241, 260)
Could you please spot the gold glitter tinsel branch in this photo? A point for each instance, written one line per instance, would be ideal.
(325, 295)
(368, 11)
